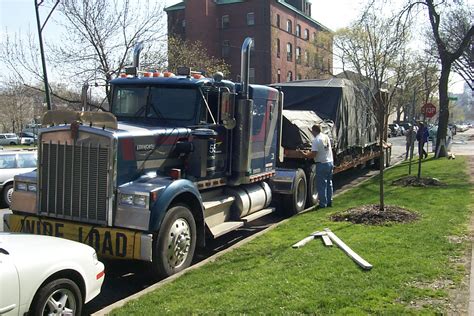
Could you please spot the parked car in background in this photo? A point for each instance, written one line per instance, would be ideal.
(11, 164)
(43, 275)
(27, 138)
(395, 130)
(9, 139)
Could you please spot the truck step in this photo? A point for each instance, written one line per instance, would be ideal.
(224, 228)
(222, 201)
(217, 210)
(258, 214)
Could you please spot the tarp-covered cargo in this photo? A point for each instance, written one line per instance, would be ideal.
(307, 102)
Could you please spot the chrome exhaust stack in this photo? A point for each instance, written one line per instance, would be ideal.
(245, 65)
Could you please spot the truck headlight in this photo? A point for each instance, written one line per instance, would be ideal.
(137, 200)
(126, 199)
(21, 186)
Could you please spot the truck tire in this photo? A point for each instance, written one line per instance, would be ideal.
(174, 246)
(7, 194)
(295, 202)
(312, 197)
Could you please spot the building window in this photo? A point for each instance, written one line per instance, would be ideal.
(278, 21)
(298, 55)
(289, 52)
(251, 75)
(278, 75)
(289, 26)
(250, 18)
(306, 34)
(226, 48)
(306, 58)
(183, 24)
(289, 76)
(298, 77)
(298, 30)
(225, 21)
(278, 48)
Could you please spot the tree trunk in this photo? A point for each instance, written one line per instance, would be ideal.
(382, 157)
(440, 150)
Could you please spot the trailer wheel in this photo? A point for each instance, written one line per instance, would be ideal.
(295, 202)
(174, 248)
(312, 198)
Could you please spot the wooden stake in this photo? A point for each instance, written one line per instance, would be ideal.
(358, 259)
(327, 241)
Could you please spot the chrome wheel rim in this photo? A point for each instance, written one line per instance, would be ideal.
(9, 196)
(60, 302)
(179, 242)
(300, 194)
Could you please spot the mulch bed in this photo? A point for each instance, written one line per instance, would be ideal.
(371, 215)
(415, 182)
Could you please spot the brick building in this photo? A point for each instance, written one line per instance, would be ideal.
(288, 43)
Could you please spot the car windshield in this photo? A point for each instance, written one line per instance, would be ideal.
(26, 161)
(157, 102)
(7, 161)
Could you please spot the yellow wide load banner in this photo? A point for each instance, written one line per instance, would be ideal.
(107, 241)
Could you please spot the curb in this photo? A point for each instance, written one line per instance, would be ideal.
(106, 310)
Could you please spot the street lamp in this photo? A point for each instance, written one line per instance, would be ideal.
(40, 37)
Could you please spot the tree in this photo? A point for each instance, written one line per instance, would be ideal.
(20, 106)
(374, 48)
(452, 32)
(193, 55)
(101, 33)
(96, 43)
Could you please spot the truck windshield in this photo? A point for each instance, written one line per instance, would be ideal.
(155, 102)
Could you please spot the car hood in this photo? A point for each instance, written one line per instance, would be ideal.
(25, 245)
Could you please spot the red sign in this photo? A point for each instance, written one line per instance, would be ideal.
(428, 110)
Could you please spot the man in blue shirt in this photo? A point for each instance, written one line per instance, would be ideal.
(422, 138)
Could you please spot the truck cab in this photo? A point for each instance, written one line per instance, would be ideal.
(179, 159)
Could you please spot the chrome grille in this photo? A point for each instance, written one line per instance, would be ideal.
(74, 181)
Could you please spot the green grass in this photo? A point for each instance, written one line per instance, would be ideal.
(267, 276)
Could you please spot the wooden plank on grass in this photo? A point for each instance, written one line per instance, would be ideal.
(303, 242)
(358, 259)
(327, 241)
(306, 240)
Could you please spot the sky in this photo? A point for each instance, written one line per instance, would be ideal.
(19, 15)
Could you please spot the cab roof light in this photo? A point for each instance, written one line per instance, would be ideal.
(147, 74)
(184, 71)
(157, 74)
(168, 74)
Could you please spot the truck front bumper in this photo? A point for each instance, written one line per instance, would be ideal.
(109, 242)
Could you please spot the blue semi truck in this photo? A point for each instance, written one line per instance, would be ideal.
(178, 160)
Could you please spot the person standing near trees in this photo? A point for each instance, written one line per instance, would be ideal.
(422, 138)
(410, 141)
(321, 152)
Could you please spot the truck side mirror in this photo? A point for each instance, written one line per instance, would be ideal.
(227, 110)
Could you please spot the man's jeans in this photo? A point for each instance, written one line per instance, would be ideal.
(324, 183)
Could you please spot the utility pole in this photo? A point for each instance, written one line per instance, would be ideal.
(40, 38)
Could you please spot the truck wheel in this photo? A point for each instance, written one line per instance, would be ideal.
(176, 242)
(7, 194)
(58, 297)
(312, 198)
(294, 203)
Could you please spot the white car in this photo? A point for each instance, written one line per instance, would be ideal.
(43, 275)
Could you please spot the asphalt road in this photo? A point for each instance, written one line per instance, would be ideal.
(124, 278)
